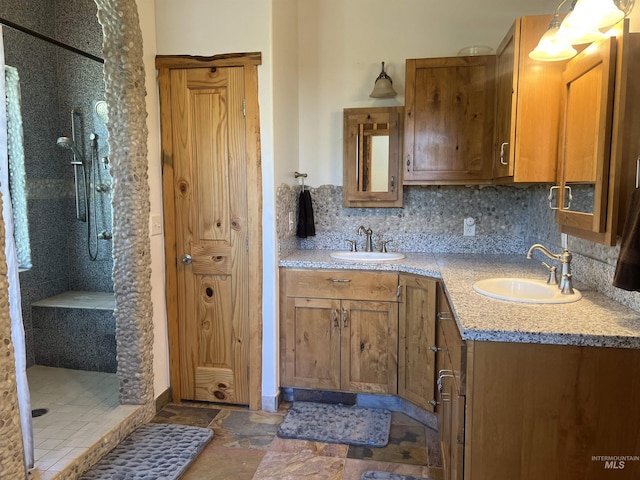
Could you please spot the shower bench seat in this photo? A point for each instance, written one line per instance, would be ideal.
(75, 330)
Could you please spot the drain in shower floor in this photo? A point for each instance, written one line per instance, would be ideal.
(38, 412)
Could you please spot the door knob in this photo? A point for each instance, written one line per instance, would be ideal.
(186, 259)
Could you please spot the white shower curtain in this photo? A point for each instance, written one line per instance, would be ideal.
(15, 307)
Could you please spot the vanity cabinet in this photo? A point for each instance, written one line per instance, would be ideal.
(530, 411)
(417, 341)
(527, 106)
(449, 117)
(340, 330)
(599, 141)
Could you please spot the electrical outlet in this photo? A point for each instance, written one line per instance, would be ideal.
(290, 221)
(469, 227)
(156, 224)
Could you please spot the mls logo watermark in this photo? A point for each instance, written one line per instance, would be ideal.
(615, 462)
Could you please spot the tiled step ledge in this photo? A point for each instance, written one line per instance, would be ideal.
(79, 299)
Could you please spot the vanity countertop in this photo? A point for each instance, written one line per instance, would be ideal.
(595, 320)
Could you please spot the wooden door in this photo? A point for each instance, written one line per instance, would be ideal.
(211, 233)
(369, 346)
(312, 332)
(449, 117)
(417, 340)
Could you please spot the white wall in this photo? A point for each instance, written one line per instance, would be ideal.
(202, 27)
(342, 43)
(146, 11)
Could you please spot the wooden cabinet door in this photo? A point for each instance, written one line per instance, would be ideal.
(449, 117)
(506, 94)
(313, 330)
(417, 341)
(527, 106)
(369, 346)
(585, 146)
(211, 232)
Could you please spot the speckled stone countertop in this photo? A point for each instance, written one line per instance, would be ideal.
(595, 320)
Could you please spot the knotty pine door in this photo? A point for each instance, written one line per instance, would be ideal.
(211, 233)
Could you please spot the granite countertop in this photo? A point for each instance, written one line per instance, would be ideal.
(595, 320)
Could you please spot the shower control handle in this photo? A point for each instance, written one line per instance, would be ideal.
(186, 259)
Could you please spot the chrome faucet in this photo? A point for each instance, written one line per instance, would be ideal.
(368, 246)
(566, 285)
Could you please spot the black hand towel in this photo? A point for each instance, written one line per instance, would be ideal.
(627, 274)
(306, 224)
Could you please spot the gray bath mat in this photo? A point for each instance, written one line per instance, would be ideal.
(155, 451)
(371, 475)
(320, 422)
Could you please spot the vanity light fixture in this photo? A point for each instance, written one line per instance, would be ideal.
(383, 86)
(583, 24)
(551, 47)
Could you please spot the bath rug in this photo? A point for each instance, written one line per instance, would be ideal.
(155, 451)
(371, 475)
(321, 422)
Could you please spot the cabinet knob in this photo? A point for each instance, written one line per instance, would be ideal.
(344, 318)
(335, 317)
(444, 316)
(434, 403)
(186, 259)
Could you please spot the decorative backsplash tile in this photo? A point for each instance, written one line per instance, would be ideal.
(509, 219)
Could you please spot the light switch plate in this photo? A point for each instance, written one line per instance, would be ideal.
(156, 224)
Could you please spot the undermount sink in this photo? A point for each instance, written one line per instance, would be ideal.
(524, 290)
(367, 257)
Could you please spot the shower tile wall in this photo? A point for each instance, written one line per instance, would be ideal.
(53, 82)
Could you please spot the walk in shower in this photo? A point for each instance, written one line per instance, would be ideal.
(67, 287)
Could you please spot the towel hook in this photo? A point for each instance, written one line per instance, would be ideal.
(301, 175)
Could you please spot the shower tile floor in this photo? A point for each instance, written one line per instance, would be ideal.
(82, 406)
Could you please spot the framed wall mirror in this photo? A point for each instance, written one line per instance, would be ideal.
(371, 158)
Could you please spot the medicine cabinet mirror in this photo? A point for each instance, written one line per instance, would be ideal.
(371, 158)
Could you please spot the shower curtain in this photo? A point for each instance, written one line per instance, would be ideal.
(15, 307)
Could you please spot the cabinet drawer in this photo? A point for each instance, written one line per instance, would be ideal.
(342, 284)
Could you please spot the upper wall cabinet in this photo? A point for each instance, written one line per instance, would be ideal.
(449, 117)
(599, 141)
(527, 106)
(371, 159)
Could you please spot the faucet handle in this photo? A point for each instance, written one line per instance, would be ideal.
(383, 245)
(553, 277)
(353, 246)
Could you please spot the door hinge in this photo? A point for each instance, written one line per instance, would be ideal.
(246, 243)
(244, 107)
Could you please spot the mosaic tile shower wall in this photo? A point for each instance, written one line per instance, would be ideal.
(54, 81)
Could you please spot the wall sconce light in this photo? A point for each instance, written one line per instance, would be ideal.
(383, 86)
(582, 25)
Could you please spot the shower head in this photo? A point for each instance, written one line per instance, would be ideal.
(69, 144)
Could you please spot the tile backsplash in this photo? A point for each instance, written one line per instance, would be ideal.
(508, 220)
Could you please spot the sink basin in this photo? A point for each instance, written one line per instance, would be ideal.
(367, 257)
(523, 290)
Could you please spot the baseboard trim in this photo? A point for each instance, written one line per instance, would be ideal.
(271, 403)
(163, 399)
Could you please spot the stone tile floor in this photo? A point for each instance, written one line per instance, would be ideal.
(245, 446)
